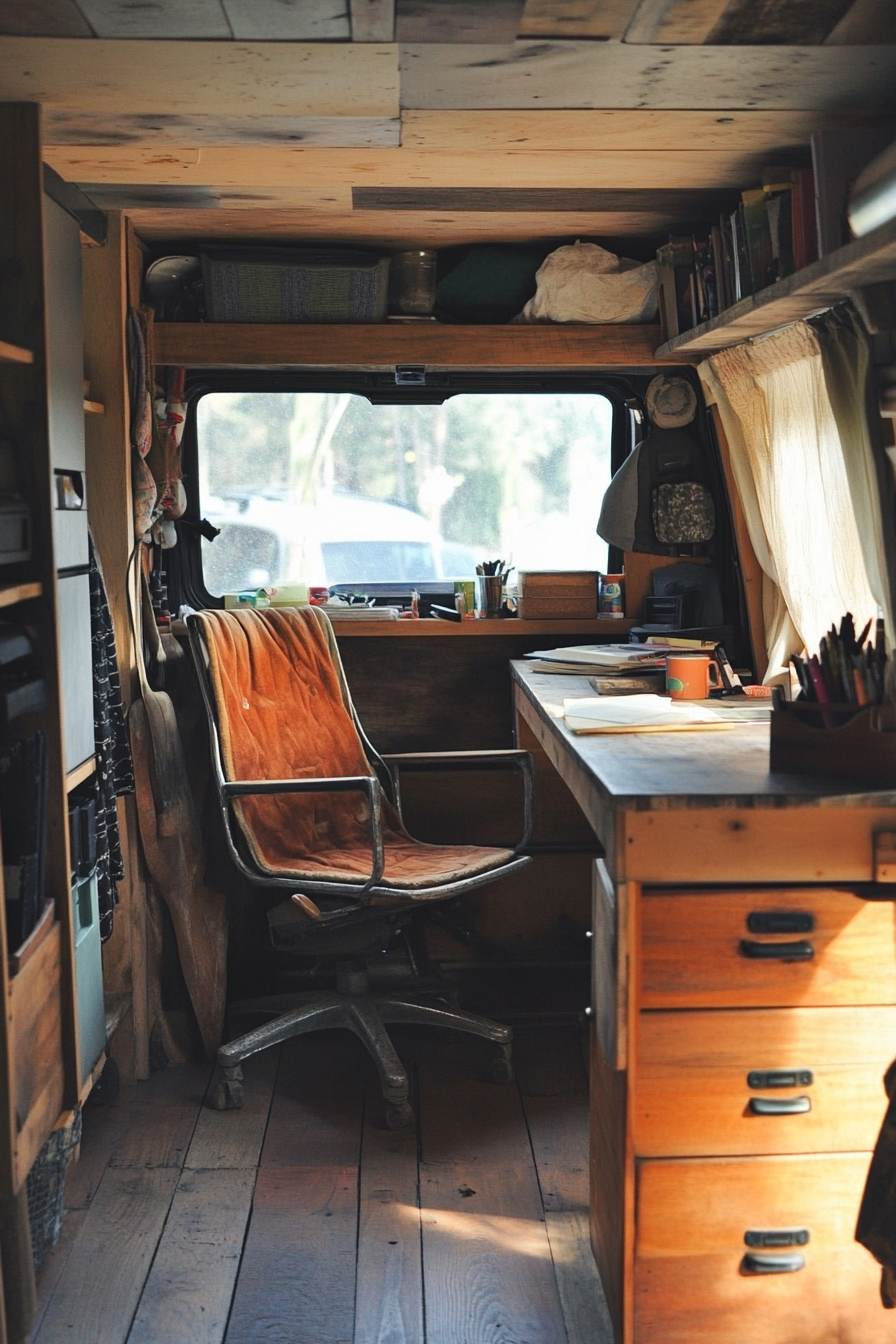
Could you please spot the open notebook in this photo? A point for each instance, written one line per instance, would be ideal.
(640, 714)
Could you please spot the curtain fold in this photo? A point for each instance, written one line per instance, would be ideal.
(846, 356)
(790, 473)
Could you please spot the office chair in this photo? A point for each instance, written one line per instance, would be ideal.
(309, 808)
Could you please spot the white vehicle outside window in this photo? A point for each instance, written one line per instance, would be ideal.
(330, 488)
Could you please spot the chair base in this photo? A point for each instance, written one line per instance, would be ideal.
(364, 1014)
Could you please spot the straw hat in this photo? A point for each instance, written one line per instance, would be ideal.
(671, 402)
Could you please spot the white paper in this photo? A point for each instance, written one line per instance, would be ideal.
(637, 711)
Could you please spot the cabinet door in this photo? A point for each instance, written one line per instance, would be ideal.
(766, 948)
(707, 1082)
(34, 1024)
(696, 1279)
(76, 665)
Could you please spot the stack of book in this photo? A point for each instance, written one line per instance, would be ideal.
(769, 235)
(614, 669)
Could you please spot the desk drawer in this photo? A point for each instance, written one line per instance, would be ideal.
(697, 1092)
(693, 1284)
(719, 949)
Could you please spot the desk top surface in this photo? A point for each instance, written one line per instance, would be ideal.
(657, 771)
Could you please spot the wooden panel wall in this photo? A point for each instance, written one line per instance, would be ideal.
(105, 272)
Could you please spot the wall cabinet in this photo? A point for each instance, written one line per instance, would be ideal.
(43, 1067)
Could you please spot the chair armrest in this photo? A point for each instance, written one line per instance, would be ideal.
(510, 759)
(369, 784)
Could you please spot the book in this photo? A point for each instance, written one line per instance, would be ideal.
(757, 238)
(805, 236)
(739, 252)
(777, 184)
(666, 299)
(681, 642)
(721, 260)
(676, 258)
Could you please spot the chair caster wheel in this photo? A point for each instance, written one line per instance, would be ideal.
(226, 1094)
(400, 1116)
(501, 1071)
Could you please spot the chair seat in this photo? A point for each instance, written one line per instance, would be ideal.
(410, 864)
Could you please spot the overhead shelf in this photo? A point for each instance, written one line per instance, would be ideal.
(14, 354)
(382, 345)
(866, 261)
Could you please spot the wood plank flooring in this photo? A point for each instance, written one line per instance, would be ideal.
(301, 1220)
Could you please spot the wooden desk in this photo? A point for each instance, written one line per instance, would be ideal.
(701, 1199)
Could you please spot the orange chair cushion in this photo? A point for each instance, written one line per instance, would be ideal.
(282, 715)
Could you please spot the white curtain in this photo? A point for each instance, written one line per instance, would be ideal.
(788, 467)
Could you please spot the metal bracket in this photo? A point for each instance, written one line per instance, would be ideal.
(410, 375)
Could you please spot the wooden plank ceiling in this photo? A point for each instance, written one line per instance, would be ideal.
(437, 121)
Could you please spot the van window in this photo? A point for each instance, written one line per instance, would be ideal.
(330, 488)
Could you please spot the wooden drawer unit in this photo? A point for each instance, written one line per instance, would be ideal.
(809, 946)
(696, 1281)
(706, 1082)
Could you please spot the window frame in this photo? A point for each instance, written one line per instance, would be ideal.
(183, 563)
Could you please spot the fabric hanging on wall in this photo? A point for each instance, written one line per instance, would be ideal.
(846, 354)
(788, 466)
(114, 767)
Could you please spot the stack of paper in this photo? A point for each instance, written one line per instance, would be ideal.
(337, 612)
(638, 714)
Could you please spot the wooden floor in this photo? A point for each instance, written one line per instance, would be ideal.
(300, 1220)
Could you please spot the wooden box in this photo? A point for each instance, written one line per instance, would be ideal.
(555, 594)
(861, 747)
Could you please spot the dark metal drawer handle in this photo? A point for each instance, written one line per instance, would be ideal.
(777, 1238)
(773, 1264)
(781, 921)
(779, 1105)
(760, 1080)
(797, 951)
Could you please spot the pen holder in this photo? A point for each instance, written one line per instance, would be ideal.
(860, 747)
(489, 595)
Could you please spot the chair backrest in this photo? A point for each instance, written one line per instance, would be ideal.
(282, 711)
(281, 701)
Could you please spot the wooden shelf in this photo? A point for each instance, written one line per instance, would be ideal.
(80, 773)
(19, 592)
(94, 407)
(14, 354)
(435, 629)
(380, 346)
(865, 261)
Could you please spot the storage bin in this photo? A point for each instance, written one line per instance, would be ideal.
(46, 1187)
(557, 595)
(294, 285)
(861, 748)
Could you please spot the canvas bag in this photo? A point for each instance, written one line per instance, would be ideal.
(586, 283)
(659, 500)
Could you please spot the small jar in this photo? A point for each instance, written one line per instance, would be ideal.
(412, 282)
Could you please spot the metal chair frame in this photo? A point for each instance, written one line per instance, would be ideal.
(350, 1006)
